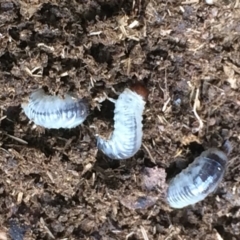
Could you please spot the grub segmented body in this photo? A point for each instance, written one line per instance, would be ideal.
(198, 180)
(55, 112)
(126, 138)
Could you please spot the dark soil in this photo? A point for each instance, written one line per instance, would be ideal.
(54, 183)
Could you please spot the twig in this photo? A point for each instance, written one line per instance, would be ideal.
(150, 155)
(16, 138)
(196, 102)
(144, 233)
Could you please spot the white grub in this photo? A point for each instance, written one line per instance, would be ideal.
(126, 138)
(198, 180)
(55, 112)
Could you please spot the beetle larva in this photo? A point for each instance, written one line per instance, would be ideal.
(198, 180)
(55, 112)
(126, 138)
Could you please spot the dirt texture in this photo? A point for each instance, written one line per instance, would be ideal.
(54, 183)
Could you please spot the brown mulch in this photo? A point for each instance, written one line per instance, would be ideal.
(54, 183)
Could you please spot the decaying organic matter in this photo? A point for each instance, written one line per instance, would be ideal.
(55, 184)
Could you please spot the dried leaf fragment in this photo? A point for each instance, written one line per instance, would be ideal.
(138, 202)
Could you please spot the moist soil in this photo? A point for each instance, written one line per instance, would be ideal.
(55, 184)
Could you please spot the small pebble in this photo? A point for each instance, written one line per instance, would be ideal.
(210, 2)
